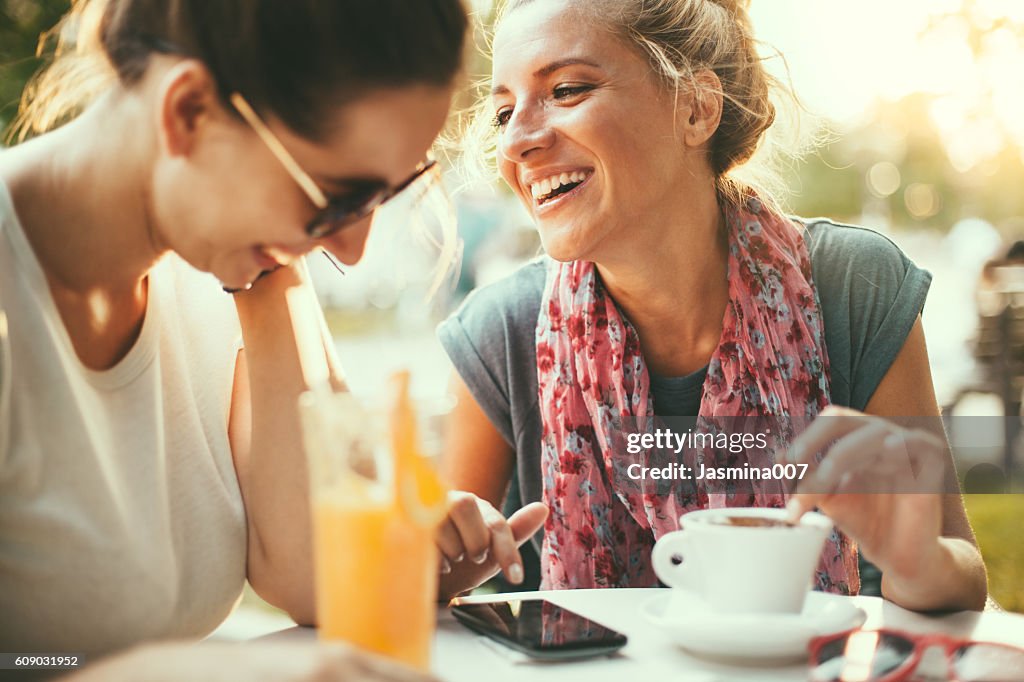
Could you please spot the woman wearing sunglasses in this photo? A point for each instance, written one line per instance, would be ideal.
(148, 446)
(672, 286)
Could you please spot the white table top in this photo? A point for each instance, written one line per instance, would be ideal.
(461, 655)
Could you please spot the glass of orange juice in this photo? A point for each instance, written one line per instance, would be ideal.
(376, 501)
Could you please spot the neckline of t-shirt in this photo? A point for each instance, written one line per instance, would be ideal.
(687, 381)
(138, 357)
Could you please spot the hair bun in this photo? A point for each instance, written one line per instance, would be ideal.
(733, 6)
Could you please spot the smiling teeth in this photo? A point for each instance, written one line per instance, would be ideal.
(544, 187)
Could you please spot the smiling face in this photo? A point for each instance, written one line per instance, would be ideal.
(587, 133)
(228, 206)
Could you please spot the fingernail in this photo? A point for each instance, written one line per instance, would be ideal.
(445, 566)
(481, 558)
(459, 558)
(515, 574)
(793, 509)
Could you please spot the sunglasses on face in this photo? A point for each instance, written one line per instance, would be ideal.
(333, 213)
(894, 656)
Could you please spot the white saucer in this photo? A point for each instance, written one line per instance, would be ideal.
(753, 639)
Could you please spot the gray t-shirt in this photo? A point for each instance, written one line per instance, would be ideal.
(871, 294)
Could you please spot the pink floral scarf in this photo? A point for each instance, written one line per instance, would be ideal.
(770, 364)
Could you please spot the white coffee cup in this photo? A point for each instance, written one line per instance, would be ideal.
(743, 569)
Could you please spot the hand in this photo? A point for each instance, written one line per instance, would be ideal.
(251, 662)
(879, 483)
(264, 273)
(476, 541)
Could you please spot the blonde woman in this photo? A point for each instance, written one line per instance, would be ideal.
(149, 458)
(672, 287)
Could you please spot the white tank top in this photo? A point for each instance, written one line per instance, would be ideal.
(120, 513)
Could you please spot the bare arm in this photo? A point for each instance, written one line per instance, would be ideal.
(881, 484)
(267, 447)
(955, 569)
(254, 662)
(476, 539)
(476, 456)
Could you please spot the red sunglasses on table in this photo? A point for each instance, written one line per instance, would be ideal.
(893, 656)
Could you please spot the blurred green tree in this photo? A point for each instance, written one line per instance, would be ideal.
(21, 24)
(959, 150)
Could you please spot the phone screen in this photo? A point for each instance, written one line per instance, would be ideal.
(539, 627)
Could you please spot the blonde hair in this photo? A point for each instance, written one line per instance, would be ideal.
(682, 38)
(78, 73)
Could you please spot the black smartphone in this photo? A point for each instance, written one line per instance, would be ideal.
(539, 628)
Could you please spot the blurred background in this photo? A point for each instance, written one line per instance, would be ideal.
(918, 105)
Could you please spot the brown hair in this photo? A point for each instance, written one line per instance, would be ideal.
(294, 58)
(682, 38)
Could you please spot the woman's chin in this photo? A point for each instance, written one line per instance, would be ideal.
(231, 275)
(562, 248)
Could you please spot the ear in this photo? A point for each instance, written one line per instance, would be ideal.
(700, 112)
(188, 101)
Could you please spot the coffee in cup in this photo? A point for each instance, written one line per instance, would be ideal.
(743, 559)
(754, 522)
